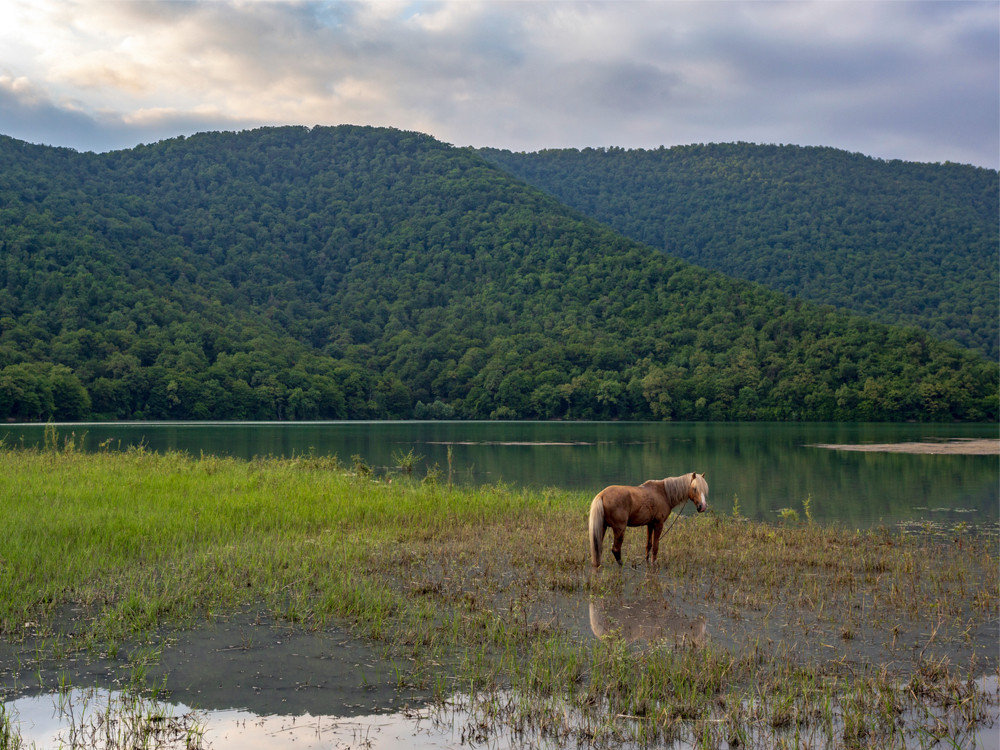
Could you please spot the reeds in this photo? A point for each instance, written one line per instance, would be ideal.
(820, 635)
(10, 737)
(100, 719)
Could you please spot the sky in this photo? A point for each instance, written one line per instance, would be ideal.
(894, 79)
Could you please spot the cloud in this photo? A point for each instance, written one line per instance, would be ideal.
(29, 114)
(915, 80)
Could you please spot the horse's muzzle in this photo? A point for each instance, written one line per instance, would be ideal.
(701, 507)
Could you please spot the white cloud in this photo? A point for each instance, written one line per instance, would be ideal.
(915, 80)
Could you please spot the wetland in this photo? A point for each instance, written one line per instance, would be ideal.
(309, 600)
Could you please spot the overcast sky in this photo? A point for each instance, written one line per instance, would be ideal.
(890, 78)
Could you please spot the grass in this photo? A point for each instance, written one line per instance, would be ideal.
(114, 720)
(820, 635)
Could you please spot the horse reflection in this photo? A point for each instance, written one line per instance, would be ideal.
(653, 620)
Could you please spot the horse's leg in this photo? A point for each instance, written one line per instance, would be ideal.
(649, 541)
(616, 548)
(654, 530)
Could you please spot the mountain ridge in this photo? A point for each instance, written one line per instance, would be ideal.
(905, 243)
(358, 272)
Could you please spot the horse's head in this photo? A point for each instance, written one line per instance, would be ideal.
(698, 491)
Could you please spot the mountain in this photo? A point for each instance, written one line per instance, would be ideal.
(900, 242)
(356, 272)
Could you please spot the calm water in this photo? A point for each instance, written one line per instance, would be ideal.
(767, 466)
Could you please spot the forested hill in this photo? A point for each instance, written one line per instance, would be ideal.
(900, 242)
(369, 273)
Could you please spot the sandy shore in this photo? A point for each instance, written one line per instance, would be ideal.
(955, 447)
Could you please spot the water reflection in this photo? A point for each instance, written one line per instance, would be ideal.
(650, 620)
(102, 718)
(769, 467)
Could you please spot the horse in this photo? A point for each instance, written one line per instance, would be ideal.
(647, 505)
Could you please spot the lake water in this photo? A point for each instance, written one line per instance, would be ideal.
(766, 466)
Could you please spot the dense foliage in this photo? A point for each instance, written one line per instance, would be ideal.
(370, 273)
(900, 242)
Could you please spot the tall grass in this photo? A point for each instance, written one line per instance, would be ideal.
(138, 536)
(10, 737)
(452, 579)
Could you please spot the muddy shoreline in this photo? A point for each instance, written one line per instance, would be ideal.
(286, 683)
(952, 447)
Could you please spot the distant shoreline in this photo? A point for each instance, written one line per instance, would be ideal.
(953, 447)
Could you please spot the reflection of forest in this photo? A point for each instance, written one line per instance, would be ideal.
(650, 620)
(766, 466)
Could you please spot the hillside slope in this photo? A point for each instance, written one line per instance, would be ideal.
(899, 242)
(367, 273)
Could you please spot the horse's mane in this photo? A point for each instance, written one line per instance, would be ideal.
(676, 488)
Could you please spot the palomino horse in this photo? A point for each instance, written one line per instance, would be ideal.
(647, 505)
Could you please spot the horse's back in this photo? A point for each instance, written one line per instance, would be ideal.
(617, 491)
(629, 505)
(616, 495)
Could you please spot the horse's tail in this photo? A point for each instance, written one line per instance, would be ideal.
(596, 529)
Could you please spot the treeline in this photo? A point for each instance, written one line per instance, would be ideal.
(349, 273)
(900, 242)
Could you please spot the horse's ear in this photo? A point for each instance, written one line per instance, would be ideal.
(703, 475)
(694, 475)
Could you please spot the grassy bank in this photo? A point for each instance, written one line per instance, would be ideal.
(853, 637)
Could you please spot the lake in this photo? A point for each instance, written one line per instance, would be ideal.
(765, 467)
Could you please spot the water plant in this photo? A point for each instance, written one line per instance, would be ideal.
(406, 462)
(789, 514)
(10, 737)
(123, 720)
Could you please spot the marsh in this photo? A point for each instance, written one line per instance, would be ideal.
(116, 564)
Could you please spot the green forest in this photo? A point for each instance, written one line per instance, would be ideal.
(903, 243)
(367, 273)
